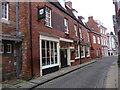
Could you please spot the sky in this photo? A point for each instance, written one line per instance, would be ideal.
(100, 10)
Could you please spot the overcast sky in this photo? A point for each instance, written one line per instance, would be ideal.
(100, 10)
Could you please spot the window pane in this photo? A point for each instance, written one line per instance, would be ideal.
(43, 61)
(43, 44)
(43, 52)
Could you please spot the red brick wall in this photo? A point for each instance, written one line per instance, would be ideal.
(94, 46)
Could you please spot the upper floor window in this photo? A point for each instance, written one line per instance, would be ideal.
(1, 48)
(48, 17)
(94, 39)
(98, 40)
(80, 31)
(75, 28)
(66, 25)
(5, 10)
(9, 48)
(88, 37)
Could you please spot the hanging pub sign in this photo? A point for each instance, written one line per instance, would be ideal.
(41, 13)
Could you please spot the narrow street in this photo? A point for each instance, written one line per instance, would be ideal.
(91, 76)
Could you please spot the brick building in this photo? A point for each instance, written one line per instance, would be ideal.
(104, 39)
(43, 37)
(116, 21)
(96, 49)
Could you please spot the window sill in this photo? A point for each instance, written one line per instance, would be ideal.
(77, 58)
(49, 66)
(49, 26)
(66, 33)
(88, 56)
(83, 57)
(5, 21)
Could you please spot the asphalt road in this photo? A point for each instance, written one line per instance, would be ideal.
(91, 76)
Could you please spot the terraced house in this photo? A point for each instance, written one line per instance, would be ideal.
(41, 37)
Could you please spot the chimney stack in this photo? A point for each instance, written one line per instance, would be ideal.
(69, 4)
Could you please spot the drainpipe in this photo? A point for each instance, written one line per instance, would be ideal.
(17, 43)
(80, 46)
(30, 22)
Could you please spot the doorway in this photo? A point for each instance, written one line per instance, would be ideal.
(64, 57)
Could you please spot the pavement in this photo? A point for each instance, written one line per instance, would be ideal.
(49, 77)
(112, 77)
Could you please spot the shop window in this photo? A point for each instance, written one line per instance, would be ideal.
(49, 53)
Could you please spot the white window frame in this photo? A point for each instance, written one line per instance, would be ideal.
(48, 17)
(83, 49)
(88, 37)
(75, 28)
(94, 39)
(80, 31)
(10, 48)
(66, 26)
(88, 50)
(5, 11)
(98, 40)
(77, 50)
(2, 48)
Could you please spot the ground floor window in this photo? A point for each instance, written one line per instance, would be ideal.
(49, 53)
(77, 49)
(97, 52)
(82, 51)
(6, 48)
(9, 48)
(87, 51)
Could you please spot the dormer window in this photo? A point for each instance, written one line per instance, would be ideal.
(62, 3)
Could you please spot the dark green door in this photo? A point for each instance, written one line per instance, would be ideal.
(63, 55)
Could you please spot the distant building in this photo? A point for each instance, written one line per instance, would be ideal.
(112, 44)
(103, 31)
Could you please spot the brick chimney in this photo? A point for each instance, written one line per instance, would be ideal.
(90, 18)
(68, 4)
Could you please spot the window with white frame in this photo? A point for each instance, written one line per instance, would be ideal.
(77, 48)
(80, 31)
(98, 40)
(97, 52)
(66, 25)
(1, 48)
(75, 28)
(88, 37)
(87, 51)
(5, 10)
(82, 51)
(48, 17)
(94, 39)
(9, 48)
(49, 53)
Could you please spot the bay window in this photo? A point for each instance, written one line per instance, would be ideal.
(9, 48)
